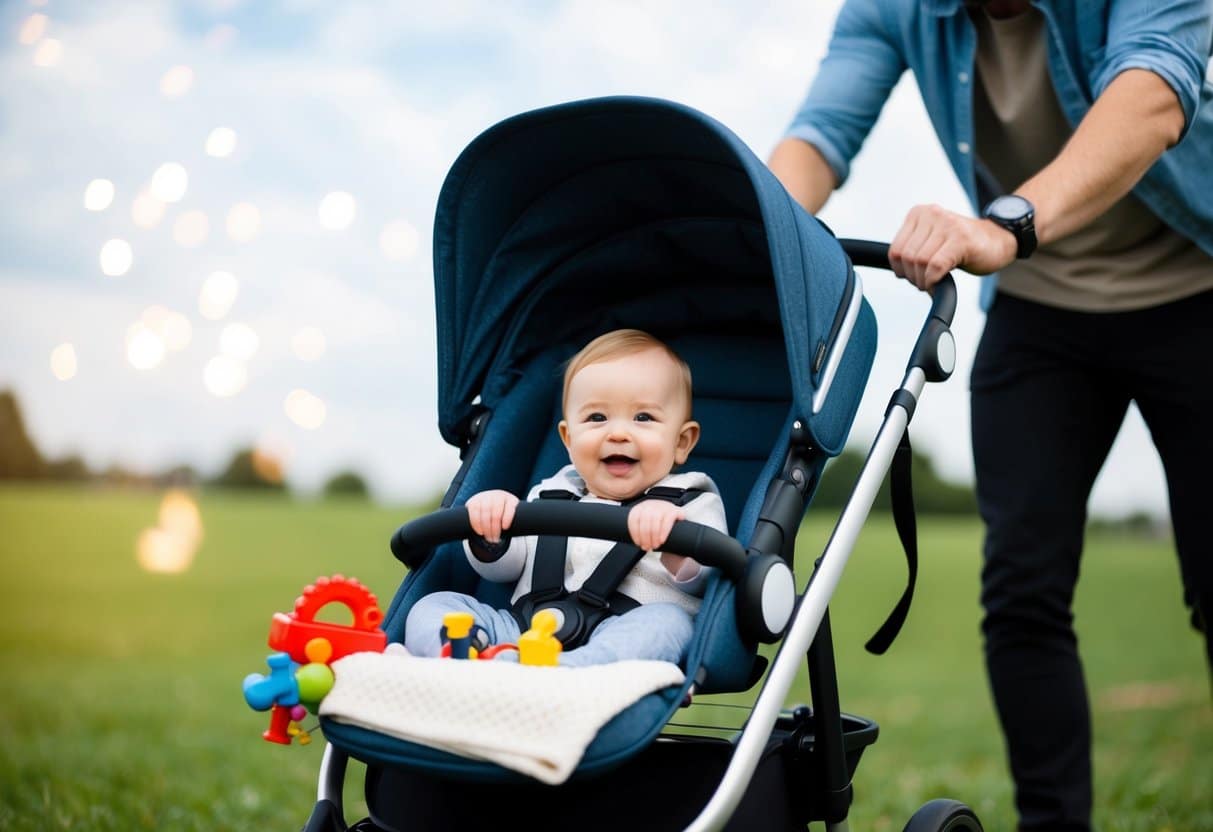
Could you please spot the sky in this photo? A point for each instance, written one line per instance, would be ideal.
(216, 215)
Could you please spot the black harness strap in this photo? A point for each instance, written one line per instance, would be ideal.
(598, 596)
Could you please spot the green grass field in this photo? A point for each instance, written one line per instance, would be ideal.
(122, 707)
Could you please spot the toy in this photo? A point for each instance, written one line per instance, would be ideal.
(539, 645)
(300, 672)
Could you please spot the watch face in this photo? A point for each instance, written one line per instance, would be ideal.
(1010, 207)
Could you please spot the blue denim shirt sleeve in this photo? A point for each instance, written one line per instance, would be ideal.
(862, 65)
(1173, 40)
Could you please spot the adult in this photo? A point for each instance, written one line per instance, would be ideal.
(1082, 133)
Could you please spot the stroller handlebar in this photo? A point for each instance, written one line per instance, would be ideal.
(876, 255)
(411, 542)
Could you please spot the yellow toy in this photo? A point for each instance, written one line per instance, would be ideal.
(539, 645)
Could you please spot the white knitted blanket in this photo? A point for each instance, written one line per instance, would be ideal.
(536, 720)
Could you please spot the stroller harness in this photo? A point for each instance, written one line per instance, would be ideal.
(598, 598)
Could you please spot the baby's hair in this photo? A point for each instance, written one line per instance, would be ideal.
(617, 344)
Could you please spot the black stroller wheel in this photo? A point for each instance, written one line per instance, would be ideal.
(944, 815)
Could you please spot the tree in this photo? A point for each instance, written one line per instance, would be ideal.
(932, 494)
(251, 469)
(346, 484)
(19, 458)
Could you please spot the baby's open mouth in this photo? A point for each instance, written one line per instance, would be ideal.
(618, 463)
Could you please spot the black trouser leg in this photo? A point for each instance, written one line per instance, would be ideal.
(1173, 386)
(1043, 421)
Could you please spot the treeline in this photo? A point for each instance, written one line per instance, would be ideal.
(932, 493)
(248, 469)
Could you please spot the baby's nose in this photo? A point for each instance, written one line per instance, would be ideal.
(619, 431)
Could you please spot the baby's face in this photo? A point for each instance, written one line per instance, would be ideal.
(626, 423)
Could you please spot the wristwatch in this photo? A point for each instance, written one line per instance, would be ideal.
(1017, 215)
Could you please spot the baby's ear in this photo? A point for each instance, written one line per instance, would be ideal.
(688, 436)
(563, 430)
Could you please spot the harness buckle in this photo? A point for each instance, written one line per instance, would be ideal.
(592, 599)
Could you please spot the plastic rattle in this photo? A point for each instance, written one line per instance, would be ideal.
(300, 673)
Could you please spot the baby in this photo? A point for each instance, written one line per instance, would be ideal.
(627, 425)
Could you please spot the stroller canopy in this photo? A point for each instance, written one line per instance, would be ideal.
(558, 224)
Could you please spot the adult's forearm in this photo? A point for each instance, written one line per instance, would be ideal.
(804, 172)
(1130, 125)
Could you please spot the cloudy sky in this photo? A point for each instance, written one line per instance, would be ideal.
(215, 228)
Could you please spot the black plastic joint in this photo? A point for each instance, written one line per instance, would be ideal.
(903, 398)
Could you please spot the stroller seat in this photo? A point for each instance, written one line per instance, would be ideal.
(519, 448)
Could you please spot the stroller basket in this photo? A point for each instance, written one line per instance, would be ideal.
(780, 795)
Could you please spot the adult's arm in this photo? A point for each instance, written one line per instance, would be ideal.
(1135, 119)
(863, 63)
(804, 172)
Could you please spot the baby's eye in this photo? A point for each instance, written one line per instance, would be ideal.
(643, 417)
(596, 417)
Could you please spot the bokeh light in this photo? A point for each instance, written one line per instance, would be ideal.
(145, 349)
(337, 210)
(173, 328)
(243, 222)
(224, 376)
(268, 465)
(221, 142)
(116, 258)
(308, 343)
(176, 82)
(146, 210)
(239, 341)
(191, 229)
(170, 182)
(32, 30)
(98, 195)
(63, 362)
(170, 547)
(48, 53)
(219, 292)
(399, 240)
(305, 409)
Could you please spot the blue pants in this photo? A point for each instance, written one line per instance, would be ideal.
(1050, 389)
(651, 631)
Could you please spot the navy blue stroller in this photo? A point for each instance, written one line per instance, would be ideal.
(553, 227)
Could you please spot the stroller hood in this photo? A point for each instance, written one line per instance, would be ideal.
(550, 218)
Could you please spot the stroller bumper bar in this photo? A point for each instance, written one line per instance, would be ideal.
(766, 590)
(566, 519)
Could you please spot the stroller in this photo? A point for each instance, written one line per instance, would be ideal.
(553, 227)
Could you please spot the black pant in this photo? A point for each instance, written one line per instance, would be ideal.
(1050, 389)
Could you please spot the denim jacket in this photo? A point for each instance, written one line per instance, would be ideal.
(1090, 43)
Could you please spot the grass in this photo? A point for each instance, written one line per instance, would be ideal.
(122, 707)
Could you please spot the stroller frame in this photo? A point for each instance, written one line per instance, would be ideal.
(832, 739)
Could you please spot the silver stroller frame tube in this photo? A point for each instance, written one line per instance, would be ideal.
(933, 359)
(332, 777)
(808, 617)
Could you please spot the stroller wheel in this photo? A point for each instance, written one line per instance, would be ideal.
(943, 815)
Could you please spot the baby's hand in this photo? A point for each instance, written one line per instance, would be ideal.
(650, 522)
(490, 513)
